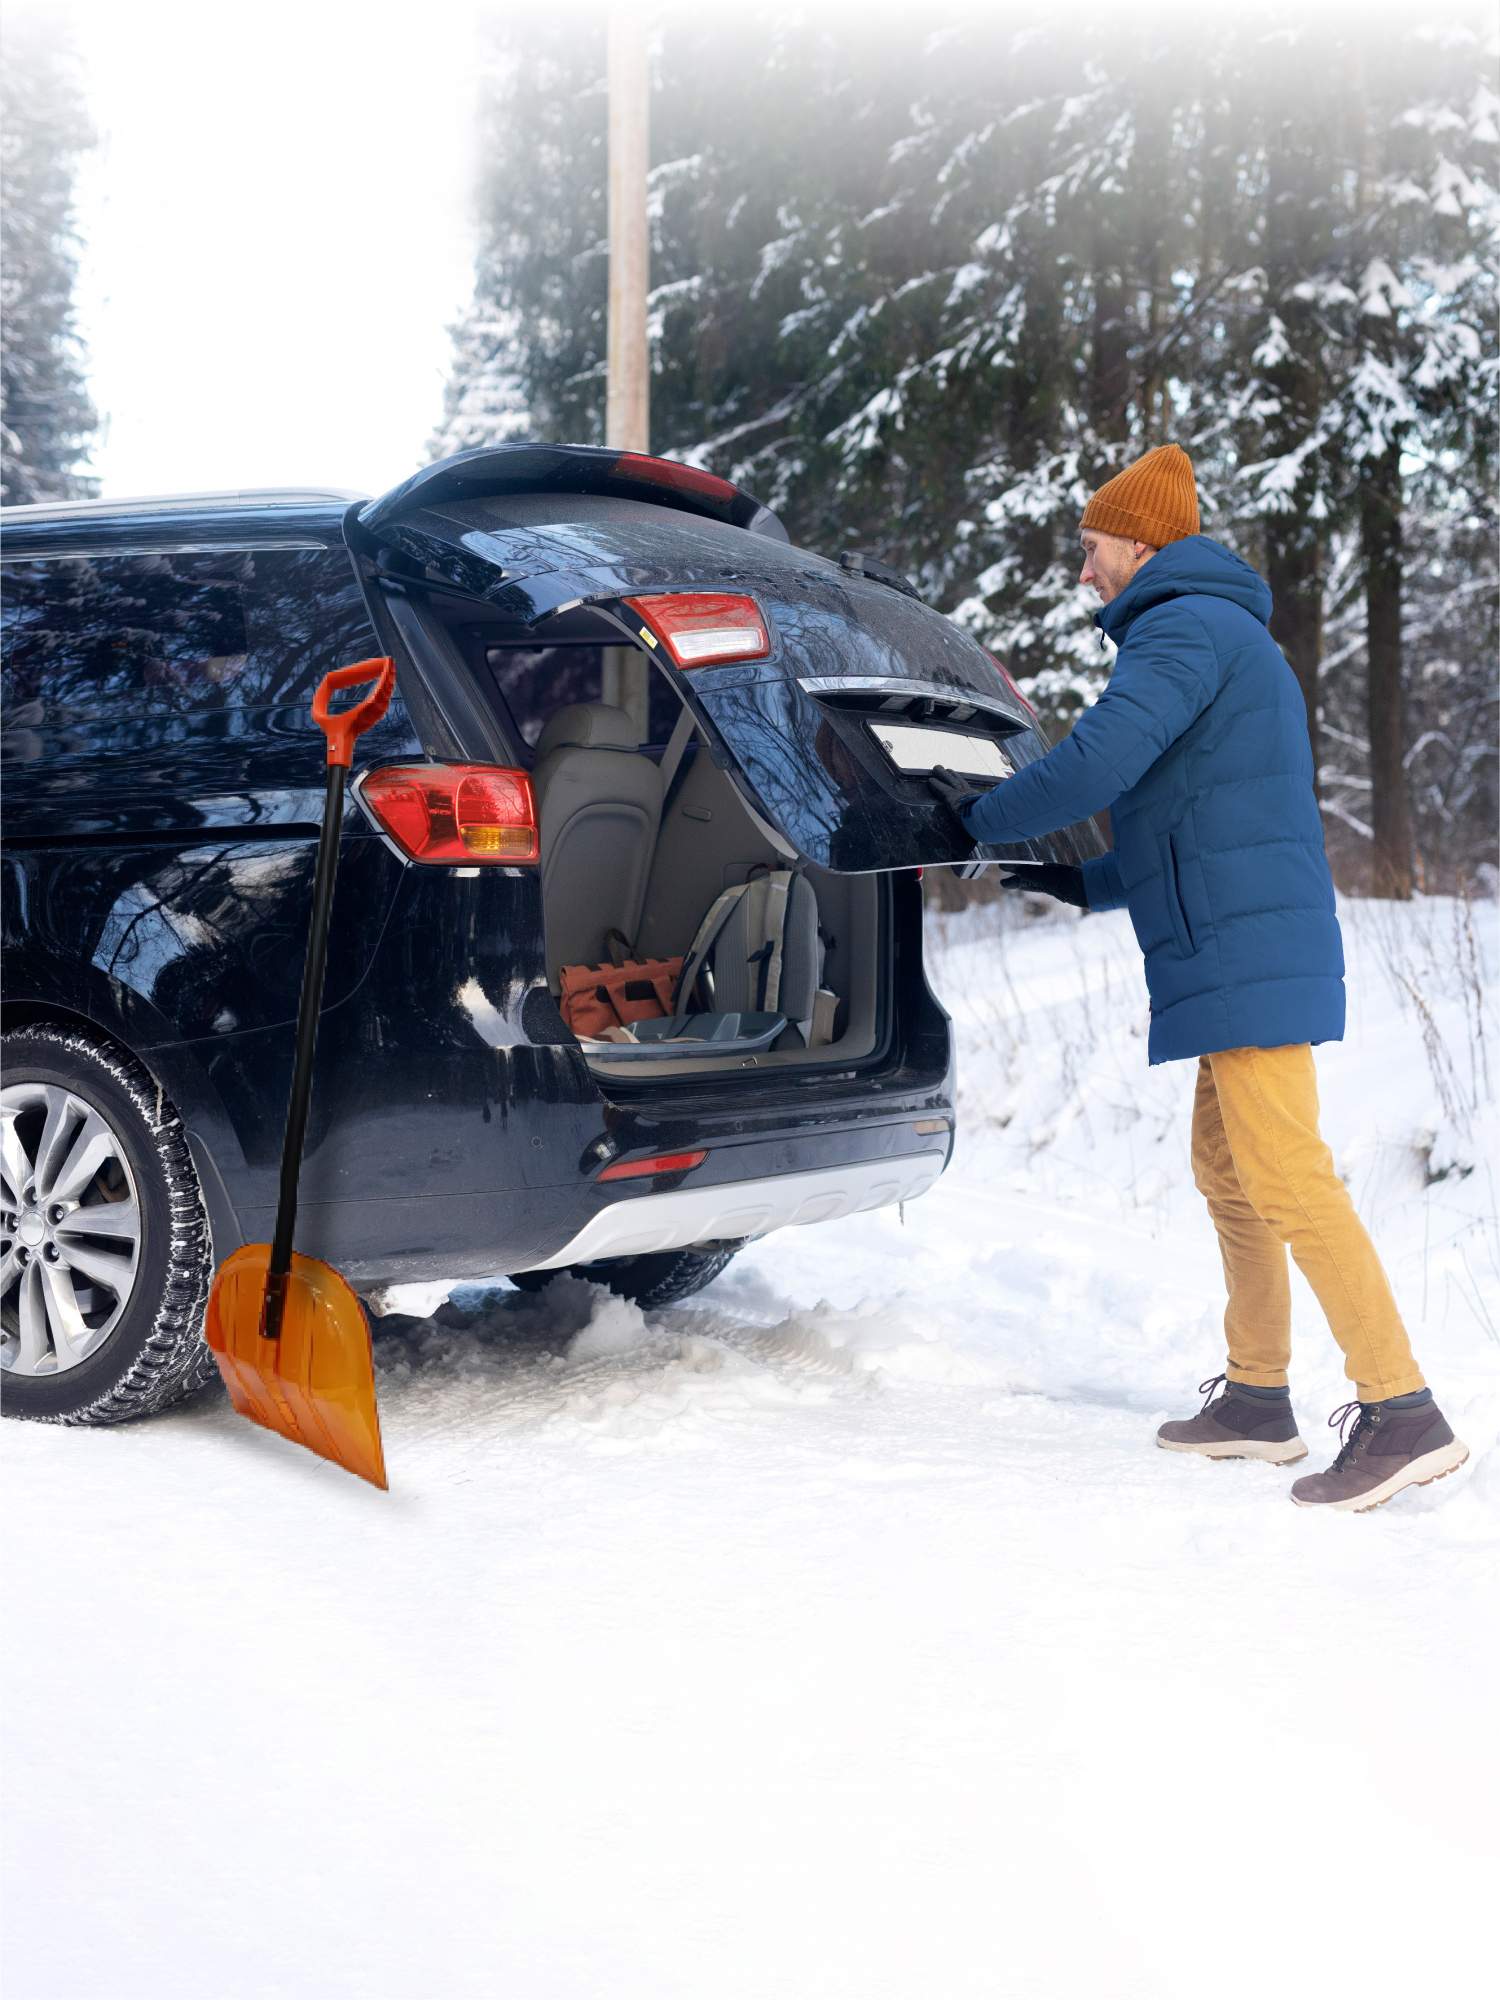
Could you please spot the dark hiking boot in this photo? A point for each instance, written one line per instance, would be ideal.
(1387, 1449)
(1234, 1425)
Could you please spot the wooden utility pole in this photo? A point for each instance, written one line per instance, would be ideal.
(627, 410)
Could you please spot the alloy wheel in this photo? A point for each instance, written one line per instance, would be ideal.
(70, 1229)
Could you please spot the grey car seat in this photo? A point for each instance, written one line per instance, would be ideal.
(599, 803)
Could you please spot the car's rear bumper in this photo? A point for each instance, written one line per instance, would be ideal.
(457, 1130)
(742, 1189)
(738, 1210)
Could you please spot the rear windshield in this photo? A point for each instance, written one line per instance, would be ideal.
(526, 683)
(530, 682)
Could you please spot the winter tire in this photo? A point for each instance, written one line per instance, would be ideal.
(105, 1256)
(658, 1280)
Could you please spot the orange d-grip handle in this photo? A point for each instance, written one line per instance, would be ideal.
(341, 729)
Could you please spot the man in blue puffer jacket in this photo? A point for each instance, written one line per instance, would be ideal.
(1199, 748)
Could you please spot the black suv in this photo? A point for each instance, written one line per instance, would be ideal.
(163, 786)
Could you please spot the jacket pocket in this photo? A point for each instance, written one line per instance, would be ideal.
(1182, 930)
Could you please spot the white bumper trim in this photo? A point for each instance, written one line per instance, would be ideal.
(650, 1222)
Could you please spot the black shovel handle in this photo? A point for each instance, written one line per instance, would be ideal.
(350, 723)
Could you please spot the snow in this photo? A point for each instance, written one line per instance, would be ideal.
(1381, 289)
(966, 279)
(1275, 348)
(839, 1632)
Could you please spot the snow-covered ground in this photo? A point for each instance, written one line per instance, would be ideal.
(839, 1633)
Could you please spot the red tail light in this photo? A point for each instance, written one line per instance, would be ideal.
(659, 1163)
(668, 472)
(450, 813)
(700, 628)
(1005, 674)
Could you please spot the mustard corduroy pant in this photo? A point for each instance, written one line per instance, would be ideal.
(1269, 1181)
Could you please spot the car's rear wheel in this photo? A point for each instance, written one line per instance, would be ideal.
(105, 1256)
(658, 1280)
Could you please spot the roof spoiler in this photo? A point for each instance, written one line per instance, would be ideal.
(527, 467)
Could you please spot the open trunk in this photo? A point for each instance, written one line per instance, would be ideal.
(708, 842)
(625, 850)
(813, 754)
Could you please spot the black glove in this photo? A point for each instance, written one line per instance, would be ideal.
(955, 792)
(1053, 878)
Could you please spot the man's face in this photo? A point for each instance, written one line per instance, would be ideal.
(1110, 561)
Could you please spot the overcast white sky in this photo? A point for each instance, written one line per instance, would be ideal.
(278, 226)
(278, 230)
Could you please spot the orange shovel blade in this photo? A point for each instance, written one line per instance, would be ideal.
(315, 1384)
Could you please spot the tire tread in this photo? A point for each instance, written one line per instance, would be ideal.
(658, 1278)
(174, 1362)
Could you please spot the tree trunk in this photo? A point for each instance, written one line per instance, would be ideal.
(627, 418)
(1294, 570)
(1380, 557)
(1380, 547)
(1294, 551)
(1153, 137)
(1109, 376)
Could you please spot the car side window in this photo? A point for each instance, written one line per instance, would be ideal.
(534, 681)
(119, 635)
(116, 653)
(306, 614)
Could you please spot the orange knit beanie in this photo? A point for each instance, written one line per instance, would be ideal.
(1154, 500)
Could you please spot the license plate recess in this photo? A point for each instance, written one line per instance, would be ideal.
(921, 750)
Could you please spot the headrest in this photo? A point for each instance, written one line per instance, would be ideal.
(587, 725)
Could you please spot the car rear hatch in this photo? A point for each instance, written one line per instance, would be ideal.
(828, 731)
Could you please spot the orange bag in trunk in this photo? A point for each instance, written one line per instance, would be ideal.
(596, 997)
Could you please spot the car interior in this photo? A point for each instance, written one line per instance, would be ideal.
(641, 835)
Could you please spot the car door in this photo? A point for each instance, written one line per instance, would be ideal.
(164, 781)
(828, 718)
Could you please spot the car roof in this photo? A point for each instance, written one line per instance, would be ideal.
(324, 515)
(237, 500)
(306, 515)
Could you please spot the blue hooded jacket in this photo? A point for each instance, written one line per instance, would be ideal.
(1198, 746)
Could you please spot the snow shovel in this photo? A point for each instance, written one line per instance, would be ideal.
(291, 1339)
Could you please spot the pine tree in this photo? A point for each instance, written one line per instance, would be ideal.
(46, 418)
(922, 290)
(1410, 303)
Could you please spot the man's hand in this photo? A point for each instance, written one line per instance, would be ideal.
(1052, 878)
(955, 792)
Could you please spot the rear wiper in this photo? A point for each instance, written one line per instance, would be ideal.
(855, 563)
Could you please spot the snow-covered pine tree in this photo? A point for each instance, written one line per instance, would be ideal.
(1279, 381)
(1403, 321)
(46, 418)
(529, 352)
(923, 289)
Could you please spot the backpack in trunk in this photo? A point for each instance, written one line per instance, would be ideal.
(757, 951)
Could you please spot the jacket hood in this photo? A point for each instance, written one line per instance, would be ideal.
(1193, 567)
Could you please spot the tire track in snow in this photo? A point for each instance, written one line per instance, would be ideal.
(573, 1359)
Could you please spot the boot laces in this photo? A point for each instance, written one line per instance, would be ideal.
(1206, 1389)
(1364, 1424)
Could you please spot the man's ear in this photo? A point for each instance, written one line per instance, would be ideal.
(1143, 549)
